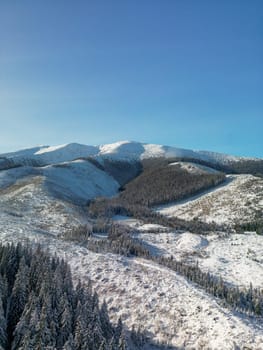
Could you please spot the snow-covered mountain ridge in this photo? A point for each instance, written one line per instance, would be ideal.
(122, 150)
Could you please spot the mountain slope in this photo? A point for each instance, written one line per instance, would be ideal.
(239, 200)
(123, 150)
(45, 155)
(77, 181)
(43, 192)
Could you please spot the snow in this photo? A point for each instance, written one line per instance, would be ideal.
(29, 208)
(189, 242)
(122, 150)
(80, 180)
(237, 200)
(152, 228)
(130, 150)
(24, 153)
(39, 203)
(11, 176)
(222, 158)
(164, 304)
(152, 151)
(126, 220)
(63, 153)
(167, 243)
(77, 180)
(53, 154)
(237, 258)
(195, 168)
(127, 150)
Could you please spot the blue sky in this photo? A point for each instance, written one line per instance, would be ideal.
(185, 73)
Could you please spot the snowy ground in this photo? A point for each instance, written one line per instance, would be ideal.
(164, 304)
(238, 200)
(29, 207)
(77, 180)
(238, 258)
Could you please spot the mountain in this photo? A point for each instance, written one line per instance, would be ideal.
(156, 229)
(80, 173)
(148, 173)
(127, 151)
(139, 151)
(123, 150)
(51, 154)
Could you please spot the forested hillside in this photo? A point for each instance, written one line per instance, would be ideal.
(158, 183)
(40, 309)
(161, 183)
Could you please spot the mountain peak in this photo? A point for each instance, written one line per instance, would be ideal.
(120, 150)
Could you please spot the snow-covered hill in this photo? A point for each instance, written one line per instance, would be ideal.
(52, 154)
(238, 200)
(77, 181)
(135, 150)
(123, 150)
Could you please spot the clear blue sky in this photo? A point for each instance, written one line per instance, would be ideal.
(187, 73)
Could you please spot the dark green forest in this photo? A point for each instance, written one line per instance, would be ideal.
(40, 309)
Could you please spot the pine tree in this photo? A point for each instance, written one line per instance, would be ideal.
(105, 321)
(66, 321)
(3, 326)
(19, 297)
(69, 345)
(45, 312)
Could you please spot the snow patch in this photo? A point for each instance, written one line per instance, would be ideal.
(190, 242)
(195, 168)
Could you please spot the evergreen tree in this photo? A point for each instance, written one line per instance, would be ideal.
(18, 297)
(44, 311)
(3, 325)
